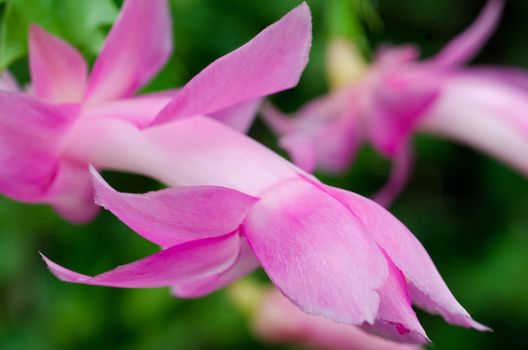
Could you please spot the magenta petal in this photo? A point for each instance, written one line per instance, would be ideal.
(316, 252)
(396, 319)
(244, 264)
(138, 45)
(176, 215)
(171, 266)
(401, 167)
(140, 110)
(58, 71)
(425, 283)
(467, 44)
(240, 117)
(31, 134)
(271, 62)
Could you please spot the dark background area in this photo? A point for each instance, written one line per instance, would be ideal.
(469, 211)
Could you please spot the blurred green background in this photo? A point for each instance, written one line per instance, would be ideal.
(469, 211)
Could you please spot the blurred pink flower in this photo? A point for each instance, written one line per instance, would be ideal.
(277, 320)
(386, 103)
(35, 127)
(233, 205)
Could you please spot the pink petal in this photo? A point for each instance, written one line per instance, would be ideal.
(138, 45)
(240, 117)
(271, 62)
(409, 256)
(401, 168)
(176, 215)
(278, 321)
(302, 150)
(31, 134)
(324, 134)
(486, 114)
(58, 71)
(316, 252)
(397, 101)
(243, 265)
(140, 110)
(71, 193)
(396, 320)
(8, 82)
(171, 266)
(466, 45)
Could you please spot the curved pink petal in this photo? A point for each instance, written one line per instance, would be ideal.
(31, 133)
(426, 286)
(401, 168)
(271, 62)
(71, 193)
(396, 319)
(58, 71)
(279, 321)
(240, 117)
(486, 114)
(467, 44)
(171, 266)
(138, 45)
(243, 265)
(316, 252)
(302, 150)
(140, 110)
(176, 215)
(8, 82)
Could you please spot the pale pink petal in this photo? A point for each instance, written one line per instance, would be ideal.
(324, 134)
(196, 151)
(271, 62)
(71, 193)
(58, 71)
(138, 45)
(31, 133)
(513, 76)
(243, 265)
(140, 110)
(425, 283)
(316, 252)
(279, 321)
(302, 150)
(240, 117)
(8, 82)
(176, 215)
(171, 266)
(486, 114)
(466, 45)
(396, 319)
(401, 168)
(397, 101)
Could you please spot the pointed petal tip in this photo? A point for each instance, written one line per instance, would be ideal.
(62, 273)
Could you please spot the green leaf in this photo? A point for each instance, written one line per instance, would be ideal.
(83, 23)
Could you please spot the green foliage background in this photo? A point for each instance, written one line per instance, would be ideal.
(468, 210)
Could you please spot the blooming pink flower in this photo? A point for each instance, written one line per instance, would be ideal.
(398, 96)
(233, 205)
(48, 138)
(277, 320)
(34, 128)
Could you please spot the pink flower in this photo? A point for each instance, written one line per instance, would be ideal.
(34, 128)
(48, 138)
(277, 320)
(386, 103)
(234, 205)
